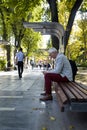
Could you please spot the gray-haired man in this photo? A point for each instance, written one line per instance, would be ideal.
(62, 72)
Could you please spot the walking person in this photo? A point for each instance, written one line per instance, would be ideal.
(32, 63)
(62, 72)
(19, 60)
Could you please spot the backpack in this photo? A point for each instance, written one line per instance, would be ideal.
(74, 68)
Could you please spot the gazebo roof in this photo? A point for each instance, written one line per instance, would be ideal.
(47, 28)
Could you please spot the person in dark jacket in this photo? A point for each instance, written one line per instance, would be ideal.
(74, 68)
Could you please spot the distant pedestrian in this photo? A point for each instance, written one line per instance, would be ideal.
(19, 61)
(40, 64)
(48, 66)
(32, 63)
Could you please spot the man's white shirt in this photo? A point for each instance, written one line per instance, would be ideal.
(62, 66)
(19, 56)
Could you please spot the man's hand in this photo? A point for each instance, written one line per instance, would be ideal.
(44, 72)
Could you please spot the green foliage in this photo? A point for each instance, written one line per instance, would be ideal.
(15, 12)
(2, 64)
(83, 64)
(36, 14)
(83, 28)
(49, 44)
(45, 11)
(84, 6)
(64, 8)
(41, 55)
(74, 51)
(30, 41)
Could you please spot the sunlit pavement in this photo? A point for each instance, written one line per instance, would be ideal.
(81, 76)
(20, 108)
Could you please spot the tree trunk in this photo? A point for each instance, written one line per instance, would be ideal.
(7, 47)
(70, 22)
(8, 56)
(54, 18)
(53, 9)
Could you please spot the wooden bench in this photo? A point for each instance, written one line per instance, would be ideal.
(71, 96)
(8, 68)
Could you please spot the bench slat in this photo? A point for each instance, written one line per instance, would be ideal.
(82, 86)
(62, 99)
(60, 103)
(74, 92)
(80, 90)
(69, 94)
(60, 92)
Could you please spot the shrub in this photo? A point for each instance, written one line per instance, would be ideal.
(2, 64)
(84, 64)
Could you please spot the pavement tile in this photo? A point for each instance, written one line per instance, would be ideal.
(21, 109)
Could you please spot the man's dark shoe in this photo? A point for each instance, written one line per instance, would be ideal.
(46, 98)
(19, 78)
(43, 94)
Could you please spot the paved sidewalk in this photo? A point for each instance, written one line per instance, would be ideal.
(20, 108)
(81, 77)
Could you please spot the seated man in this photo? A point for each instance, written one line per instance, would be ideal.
(62, 72)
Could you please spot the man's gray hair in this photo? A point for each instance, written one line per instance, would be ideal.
(52, 50)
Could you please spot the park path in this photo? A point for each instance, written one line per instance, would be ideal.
(20, 108)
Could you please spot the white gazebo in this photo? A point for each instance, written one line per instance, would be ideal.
(48, 28)
(4, 42)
